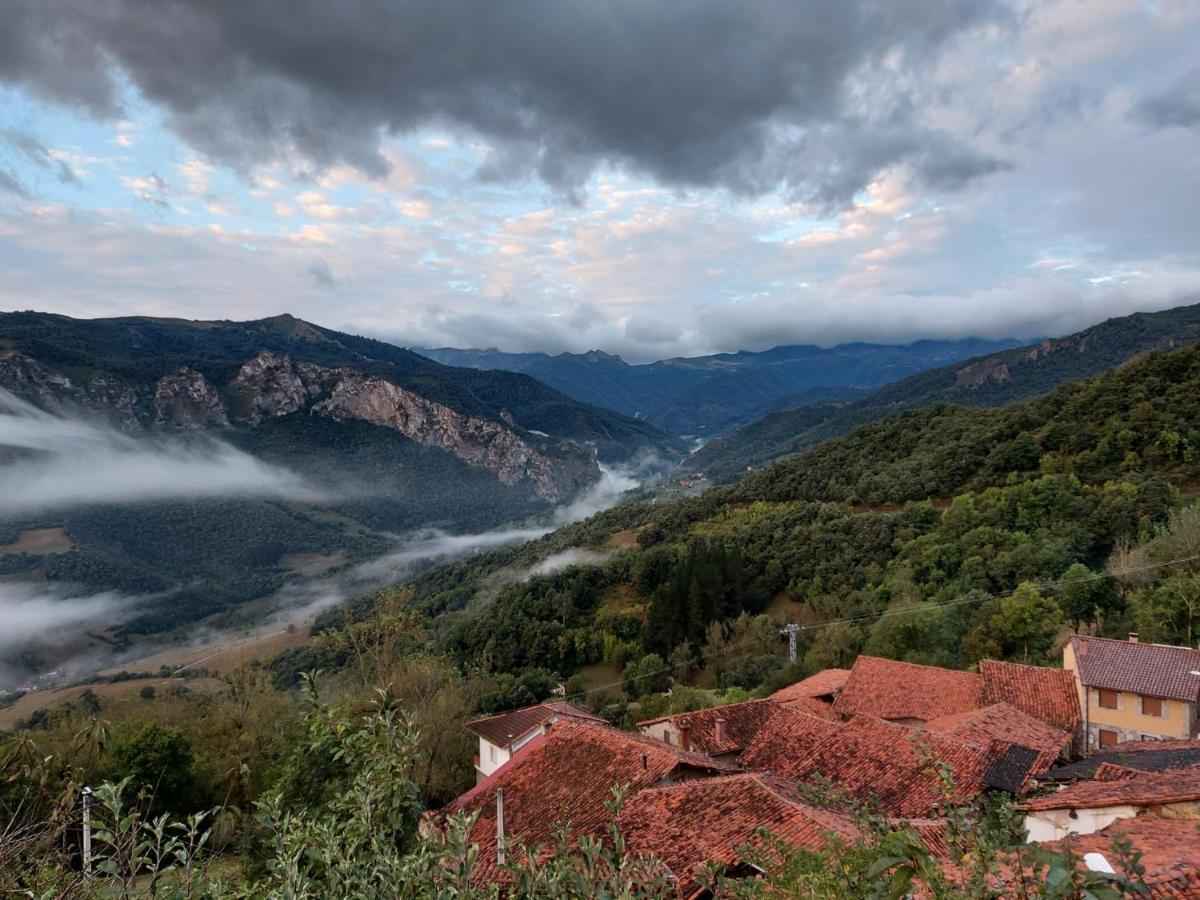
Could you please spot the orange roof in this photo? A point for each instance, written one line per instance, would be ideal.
(1046, 694)
(567, 775)
(789, 737)
(1005, 723)
(825, 683)
(1118, 786)
(742, 721)
(505, 729)
(1170, 851)
(888, 689)
(876, 760)
(687, 824)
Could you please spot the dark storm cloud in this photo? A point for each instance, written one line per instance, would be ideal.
(1177, 106)
(752, 95)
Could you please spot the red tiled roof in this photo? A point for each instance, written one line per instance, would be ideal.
(567, 775)
(505, 728)
(742, 722)
(1005, 723)
(1046, 694)
(789, 738)
(685, 825)
(1170, 852)
(874, 759)
(1153, 670)
(823, 684)
(888, 689)
(1117, 786)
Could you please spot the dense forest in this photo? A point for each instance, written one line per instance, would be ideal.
(992, 380)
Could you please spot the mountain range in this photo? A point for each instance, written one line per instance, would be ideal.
(991, 379)
(707, 395)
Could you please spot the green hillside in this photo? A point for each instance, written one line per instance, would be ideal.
(991, 380)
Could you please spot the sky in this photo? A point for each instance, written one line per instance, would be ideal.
(648, 178)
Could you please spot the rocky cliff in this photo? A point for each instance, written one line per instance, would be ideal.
(271, 385)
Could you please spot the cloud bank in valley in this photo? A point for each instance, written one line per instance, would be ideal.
(57, 462)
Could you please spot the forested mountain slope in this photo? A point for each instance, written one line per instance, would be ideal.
(381, 440)
(990, 380)
(706, 395)
(943, 535)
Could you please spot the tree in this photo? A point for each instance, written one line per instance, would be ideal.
(648, 675)
(1169, 612)
(1080, 594)
(1127, 564)
(158, 759)
(1021, 626)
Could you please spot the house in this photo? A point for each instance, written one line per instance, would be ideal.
(1130, 691)
(503, 735)
(686, 825)
(823, 687)
(1169, 848)
(1116, 793)
(721, 732)
(907, 693)
(890, 764)
(1048, 695)
(1145, 756)
(1001, 722)
(566, 774)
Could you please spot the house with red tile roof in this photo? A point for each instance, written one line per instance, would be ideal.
(1146, 756)
(1001, 722)
(566, 775)
(722, 731)
(1169, 848)
(1049, 695)
(1131, 691)
(824, 687)
(686, 825)
(503, 735)
(889, 764)
(907, 693)
(1115, 793)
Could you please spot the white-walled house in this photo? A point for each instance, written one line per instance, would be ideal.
(503, 735)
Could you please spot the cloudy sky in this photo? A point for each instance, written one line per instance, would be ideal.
(650, 178)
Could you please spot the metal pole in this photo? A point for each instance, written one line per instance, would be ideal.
(87, 831)
(791, 631)
(499, 826)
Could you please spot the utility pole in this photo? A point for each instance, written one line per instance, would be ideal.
(791, 631)
(87, 832)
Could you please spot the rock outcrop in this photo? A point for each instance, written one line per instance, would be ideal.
(990, 369)
(187, 400)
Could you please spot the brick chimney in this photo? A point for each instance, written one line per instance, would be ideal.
(645, 761)
(685, 737)
(720, 723)
(1133, 637)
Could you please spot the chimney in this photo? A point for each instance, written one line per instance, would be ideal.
(685, 737)
(720, 723)
(645, 762)
(1133, 637)
(499, 826)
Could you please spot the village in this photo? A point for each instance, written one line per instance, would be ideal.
(1104, 748)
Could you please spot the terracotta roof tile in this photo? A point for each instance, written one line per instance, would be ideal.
(895, 690)
(742, 721)
(1136, 789)
(1046, 694)
(788, 739)
(568, 776)
(505, 728)
(1153, 670)
(1005, 723)
(874, 759)
(824, 684)
(1170, 851)
(685, 825)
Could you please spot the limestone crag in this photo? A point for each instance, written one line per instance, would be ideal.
(270, 385)
(187, 400)
(477, 441)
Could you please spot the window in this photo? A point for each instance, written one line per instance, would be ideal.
(1108, 699)
(1107, 738)
(492, 751)
(1152, 706)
